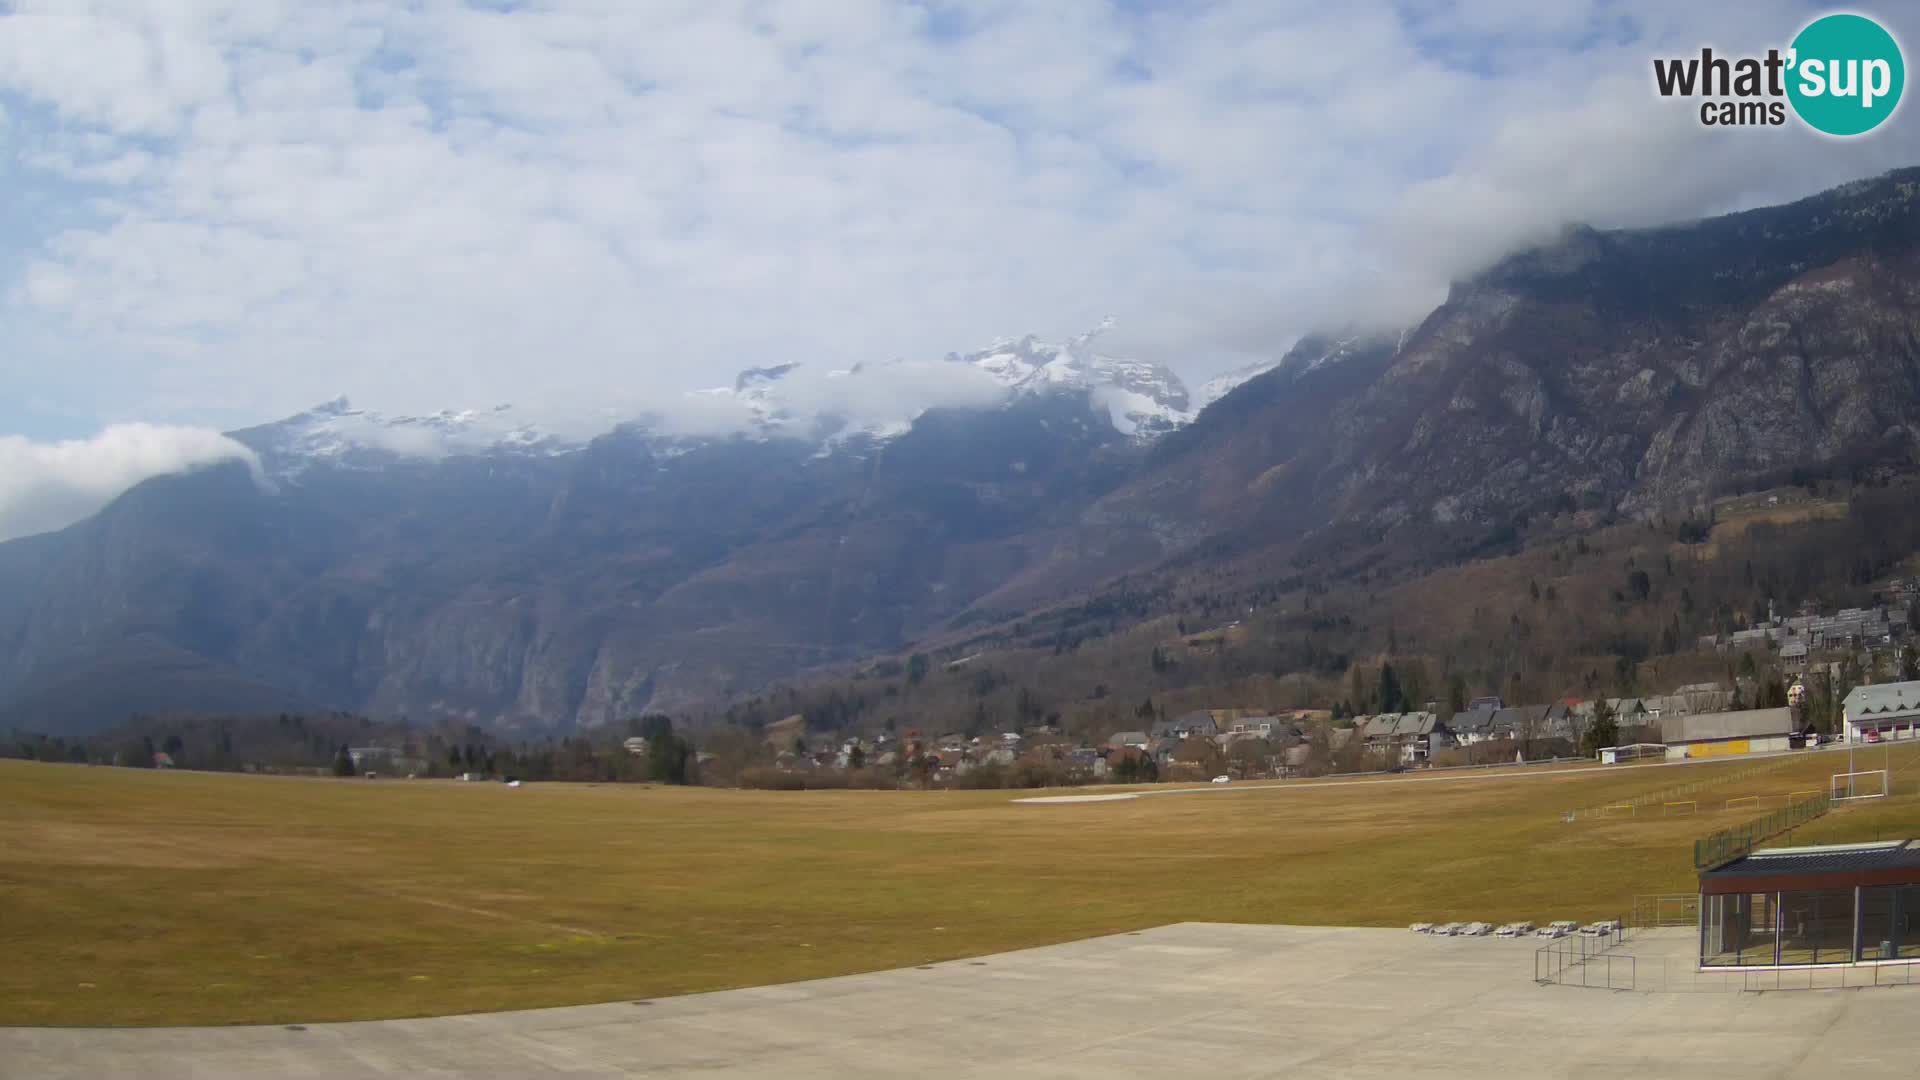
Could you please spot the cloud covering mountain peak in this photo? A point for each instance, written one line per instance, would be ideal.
(47, 486)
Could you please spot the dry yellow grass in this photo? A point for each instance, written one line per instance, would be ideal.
(135, 897)
(1736, 522)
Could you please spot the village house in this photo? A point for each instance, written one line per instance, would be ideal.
(1198, 723)
(1793, 655)
(1474, 725)
(1628, 712)
(1263, 727)
(1412, 736)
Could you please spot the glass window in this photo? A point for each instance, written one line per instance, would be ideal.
(1816, 927)
(1906, 921)
(1758, 929)
(1737, 929)
(1877, 940)
(1717, 944)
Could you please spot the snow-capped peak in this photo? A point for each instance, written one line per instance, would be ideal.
(1225, 383)
(337, 433)
(1142, 398)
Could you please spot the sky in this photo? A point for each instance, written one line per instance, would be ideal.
(219, 213)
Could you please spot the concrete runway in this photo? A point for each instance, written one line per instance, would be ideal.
(1196, 999)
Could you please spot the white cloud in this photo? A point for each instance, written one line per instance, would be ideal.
(586, 207)
(46, 486)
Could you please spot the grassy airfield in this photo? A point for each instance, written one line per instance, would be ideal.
(141, 897)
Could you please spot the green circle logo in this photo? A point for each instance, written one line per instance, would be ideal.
(1846, 74)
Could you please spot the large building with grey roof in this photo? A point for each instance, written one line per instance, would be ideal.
(1883, 712)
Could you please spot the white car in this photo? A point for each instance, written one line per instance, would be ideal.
(1554, 930)
(1599, 929)
(1223, 779)
(1514, 929)
(1477, 929)
(1421, 928)
(1561, 927)
(1448, 929)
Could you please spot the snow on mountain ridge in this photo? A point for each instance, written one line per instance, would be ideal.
(337, 433)
(1141, 398)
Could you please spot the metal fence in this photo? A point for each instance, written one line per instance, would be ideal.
(1665, 961)
(1848, 976)
(1682, 975)
(1726, 845)
(1583, 960)
(1673, 792)
(1671, 909)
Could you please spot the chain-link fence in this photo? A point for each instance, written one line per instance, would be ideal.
(1655, 800)
(1724, 846)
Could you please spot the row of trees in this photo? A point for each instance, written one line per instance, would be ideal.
(322, 743)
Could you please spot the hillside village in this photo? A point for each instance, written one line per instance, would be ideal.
(1789, 679)
(1699, 720)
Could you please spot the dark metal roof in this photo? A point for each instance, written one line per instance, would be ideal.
(1892, 855)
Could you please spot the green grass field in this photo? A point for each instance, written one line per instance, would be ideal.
(138, 897)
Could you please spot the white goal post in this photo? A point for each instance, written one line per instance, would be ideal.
(1867, 784)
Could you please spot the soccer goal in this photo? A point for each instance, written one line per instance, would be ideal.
(1870, 784)
(1614, 755)
(1744, 802)
(1617, 810)
(1681, 807)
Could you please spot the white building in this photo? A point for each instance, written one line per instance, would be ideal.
(1878, 713)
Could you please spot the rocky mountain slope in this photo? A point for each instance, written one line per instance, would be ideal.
(1635, 371)
(513, 577)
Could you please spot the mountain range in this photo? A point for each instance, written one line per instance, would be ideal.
(471, 565)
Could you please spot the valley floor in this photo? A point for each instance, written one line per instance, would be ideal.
(136, 897)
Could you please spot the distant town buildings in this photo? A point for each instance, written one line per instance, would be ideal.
(1797, 638)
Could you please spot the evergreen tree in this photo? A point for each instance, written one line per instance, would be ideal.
(1389, 695)
(343, 763)
(670, 759)
(1604, 730)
